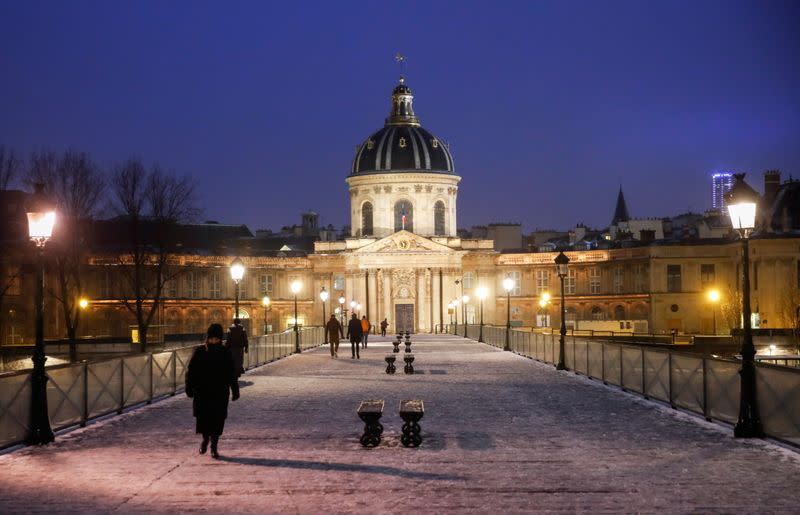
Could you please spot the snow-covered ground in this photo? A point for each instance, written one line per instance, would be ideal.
(501, 433)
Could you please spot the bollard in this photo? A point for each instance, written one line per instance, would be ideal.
(408, 345)
(390, 368)
(409, 368)
(396, 346)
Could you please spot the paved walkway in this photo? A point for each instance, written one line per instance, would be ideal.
(501, 433)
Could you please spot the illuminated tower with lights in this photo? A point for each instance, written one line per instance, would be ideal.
(721, 183)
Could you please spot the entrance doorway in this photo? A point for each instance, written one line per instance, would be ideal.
(404, 317)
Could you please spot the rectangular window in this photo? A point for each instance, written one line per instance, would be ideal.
(619, 276)
(469, 279)
(265, 284)
(641, 278)
(192, 285)
(105, 284)
(517, 276)
(594, 280)
(338, 282)
(707, 275)
(542, 281)
(755, 275)
(172, 288)
(674, 278)
(569, 282)
(214, 286)
(13, 283)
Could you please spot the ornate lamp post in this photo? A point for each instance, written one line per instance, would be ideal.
(456, 302)
(742, 201)
(342, 309)
(296, 286)
(544, 303)
(237, 272)
(323, 296)
(41, 220)
(508, 285)
(562, 268)
(358, 309)
(265, 301)
(465, 301)
(713, 297)
(482, 296)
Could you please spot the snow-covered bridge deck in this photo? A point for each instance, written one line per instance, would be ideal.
(501, 433)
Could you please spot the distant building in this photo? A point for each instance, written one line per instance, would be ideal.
(721, 183)
(506, 236)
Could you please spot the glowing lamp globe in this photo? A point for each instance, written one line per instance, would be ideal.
(482, 293)
(742, 201)
(323, 295)
(508, 284)
(237, 270)
(296, 286)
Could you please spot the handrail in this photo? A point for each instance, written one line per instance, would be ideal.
(704, 385)
(120, 382)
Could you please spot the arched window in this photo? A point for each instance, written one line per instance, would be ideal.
(366, 219)
(403, 216)
(619, 313)
(597, 313)
(438, 218)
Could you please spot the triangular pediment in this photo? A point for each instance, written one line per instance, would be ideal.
(405, 242)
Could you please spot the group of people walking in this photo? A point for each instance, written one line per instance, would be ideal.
(212, 377)
(357, 331)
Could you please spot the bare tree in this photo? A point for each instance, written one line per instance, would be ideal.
(10, 165)
(75, 183)
(151, 204)
(732, 308)
(789, 310)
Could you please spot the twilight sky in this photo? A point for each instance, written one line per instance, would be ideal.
(548, 106)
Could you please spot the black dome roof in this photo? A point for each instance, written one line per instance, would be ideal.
(402, 149)
(402, 145)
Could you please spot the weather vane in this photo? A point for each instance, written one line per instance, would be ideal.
(401, 60)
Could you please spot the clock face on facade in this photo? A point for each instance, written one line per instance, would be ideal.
(403, 244)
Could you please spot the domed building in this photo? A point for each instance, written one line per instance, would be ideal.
(403, 177)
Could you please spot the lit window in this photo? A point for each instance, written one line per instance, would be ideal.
(619, 276)
(265, 284)
(214, 286)
(542, 281)
(469, 278)
(594, 280)
(569, 282)
(370, 144)
(402, 143)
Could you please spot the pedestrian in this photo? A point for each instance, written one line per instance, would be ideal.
(237, 343)
(384, 325)
(333, 329)
(365, 328)
(210, 380)
(354, 332)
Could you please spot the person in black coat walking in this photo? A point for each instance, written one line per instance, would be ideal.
(210, 379)
(355, 332)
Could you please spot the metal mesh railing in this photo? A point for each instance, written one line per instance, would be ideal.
(703, 385)
(79, 392)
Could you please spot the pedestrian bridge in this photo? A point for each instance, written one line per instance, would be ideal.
(501, 432)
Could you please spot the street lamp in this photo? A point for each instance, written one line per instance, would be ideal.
(450, 309)
(265, 301)
(341, 309)
(296, 286)
(465, 301)
(713, 297)
(508, 285)
(237, 272)
(456, 302)
(562, 268)
(358, 309)
(323, 296)
(482, 292)
(41, 220)
(741, 202)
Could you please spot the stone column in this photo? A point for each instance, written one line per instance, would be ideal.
(429, 299)
(387, 301)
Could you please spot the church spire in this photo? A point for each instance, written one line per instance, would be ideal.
(402, 106)
(621, 211)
